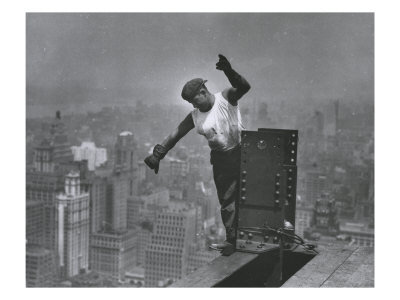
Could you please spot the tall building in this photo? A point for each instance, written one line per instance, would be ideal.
(113, 253)
(134, 211)
(113, 249)
(59, 141)
(143, 241)
(304, 215)
(168, 254)
(98, 196)
(142, 168)
(178, 167)
(316, 182)
(146, 207)
(325, 215)
(52, 157)
(34, 222)
(123, 184)
(88, 151)
(117, 203)
(40, 267)
(125, 153)
(72, 231)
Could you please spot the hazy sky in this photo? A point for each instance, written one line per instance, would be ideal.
(89, 58)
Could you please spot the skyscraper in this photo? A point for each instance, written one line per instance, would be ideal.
(72, 231)
(59, 141)
(124, 181)
(52, 159)
(34, 222)
(316, 182)
(113, 247)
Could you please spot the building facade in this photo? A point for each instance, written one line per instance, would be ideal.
(88, 151)
(72, 228)
(167, 255)
(113, 253)
(40, 267)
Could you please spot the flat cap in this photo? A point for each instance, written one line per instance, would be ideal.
(191, 88)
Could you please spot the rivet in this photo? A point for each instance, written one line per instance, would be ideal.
(241, 234)
(290, 178)
(293, 143)
(244, 172)
(277, 192)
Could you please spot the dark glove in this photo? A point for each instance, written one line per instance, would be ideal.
(223, 64)
(153, 162)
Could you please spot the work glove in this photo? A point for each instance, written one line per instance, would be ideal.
(153, 161)
(223, 64)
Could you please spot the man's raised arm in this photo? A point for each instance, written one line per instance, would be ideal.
(240, 85)
(160, 150)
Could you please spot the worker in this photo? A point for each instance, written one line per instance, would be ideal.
(216, 117)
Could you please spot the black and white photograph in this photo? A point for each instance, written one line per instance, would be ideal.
(200, 149)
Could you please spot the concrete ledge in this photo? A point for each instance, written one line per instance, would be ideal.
(216, 271)
(238, 270)
(337, 266)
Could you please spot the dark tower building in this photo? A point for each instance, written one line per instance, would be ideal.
(113, 248)
(59, 140)
(124, 182)
(325, 217)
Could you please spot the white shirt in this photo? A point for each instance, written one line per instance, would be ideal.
(221, 125)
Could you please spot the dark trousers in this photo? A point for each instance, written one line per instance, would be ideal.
(226, 169)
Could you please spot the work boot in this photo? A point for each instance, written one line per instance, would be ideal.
(225, 248)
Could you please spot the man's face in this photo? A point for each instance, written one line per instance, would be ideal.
(200, 101)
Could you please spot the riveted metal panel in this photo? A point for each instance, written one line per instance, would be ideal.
(267, 184)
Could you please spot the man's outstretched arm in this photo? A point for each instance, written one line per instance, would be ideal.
(240, 85)
(183, 128)
(160, 150)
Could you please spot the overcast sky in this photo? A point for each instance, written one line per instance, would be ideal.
(101, 58)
